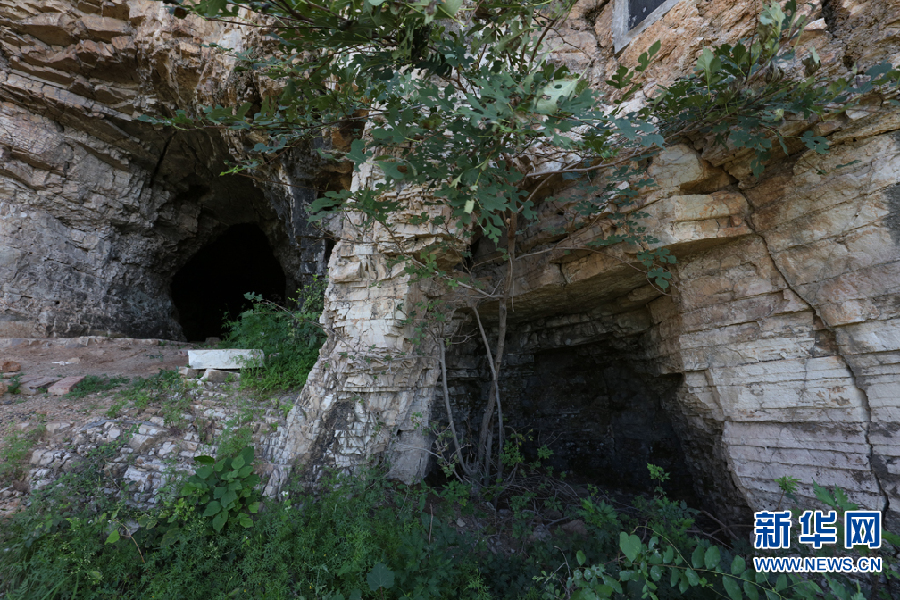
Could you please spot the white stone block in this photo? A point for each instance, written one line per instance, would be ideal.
(222, 359)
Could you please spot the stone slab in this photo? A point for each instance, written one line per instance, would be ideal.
(30, 387)
(218, 376)
(64, 386)
(189, 373)
(10, 366)
(222, 359)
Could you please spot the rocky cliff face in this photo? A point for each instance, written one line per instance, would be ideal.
(777, 352)
(99, 211)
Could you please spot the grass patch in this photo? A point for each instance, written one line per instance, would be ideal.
(166, 389)
(93, 384)
(290, 338)
(15, 384)
(17, 446)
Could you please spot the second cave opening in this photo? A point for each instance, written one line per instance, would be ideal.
(210, 288)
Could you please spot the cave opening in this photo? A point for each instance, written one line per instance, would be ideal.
(604, 414)
(601, 406)
(210, 288)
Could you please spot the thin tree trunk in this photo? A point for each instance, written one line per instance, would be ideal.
(495, 359)
(456, 447)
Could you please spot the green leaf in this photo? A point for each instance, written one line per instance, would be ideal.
(697, 557)
(253, 507)
(450, 7)
(113, 537)
(237, 463)
(751, 590)
(692, 577)
(738, 565)
(228, 498)
(380, 577)
(219, 520)
(357, 152)
(213, 508)
(732, 588)
(708, 65)
(712, 558)
(392, 169)
(580, 556)
(824, 495)
(204, 472)
(630, 545)
(245, 521)
(170, 537)
(204, 460)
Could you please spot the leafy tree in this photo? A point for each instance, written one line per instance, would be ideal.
(464, 102)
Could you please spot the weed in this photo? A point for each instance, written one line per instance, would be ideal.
(15, 384)
(357, 537)
(289, 338)
(225, 488)
(165, 389)
(115, 410)
(93, 384)
(235, 436)
(17, 445)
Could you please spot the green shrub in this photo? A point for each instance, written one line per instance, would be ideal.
(17, 445)
(166, 389)
(224, 489)
(359, 537)
(289, 338)
(15, 384)
(93, 384)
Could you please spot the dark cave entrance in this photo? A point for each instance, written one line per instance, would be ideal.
(210, 287)
(604, 414)
(601, 406)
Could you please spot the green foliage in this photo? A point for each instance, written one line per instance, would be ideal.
(165, 389)
(788, 486)
(659, 475)
(360, 537)
(224, 489)
(289, 338)
(17, 446)
(15, 384)
(93, 384)
(235, 436)
(463, 100)
(653, 563)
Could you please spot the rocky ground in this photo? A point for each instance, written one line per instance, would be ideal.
(67, 425)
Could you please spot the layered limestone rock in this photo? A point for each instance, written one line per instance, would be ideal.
(781, 323)
(100, 210)
(372, 389)
(777, 351)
